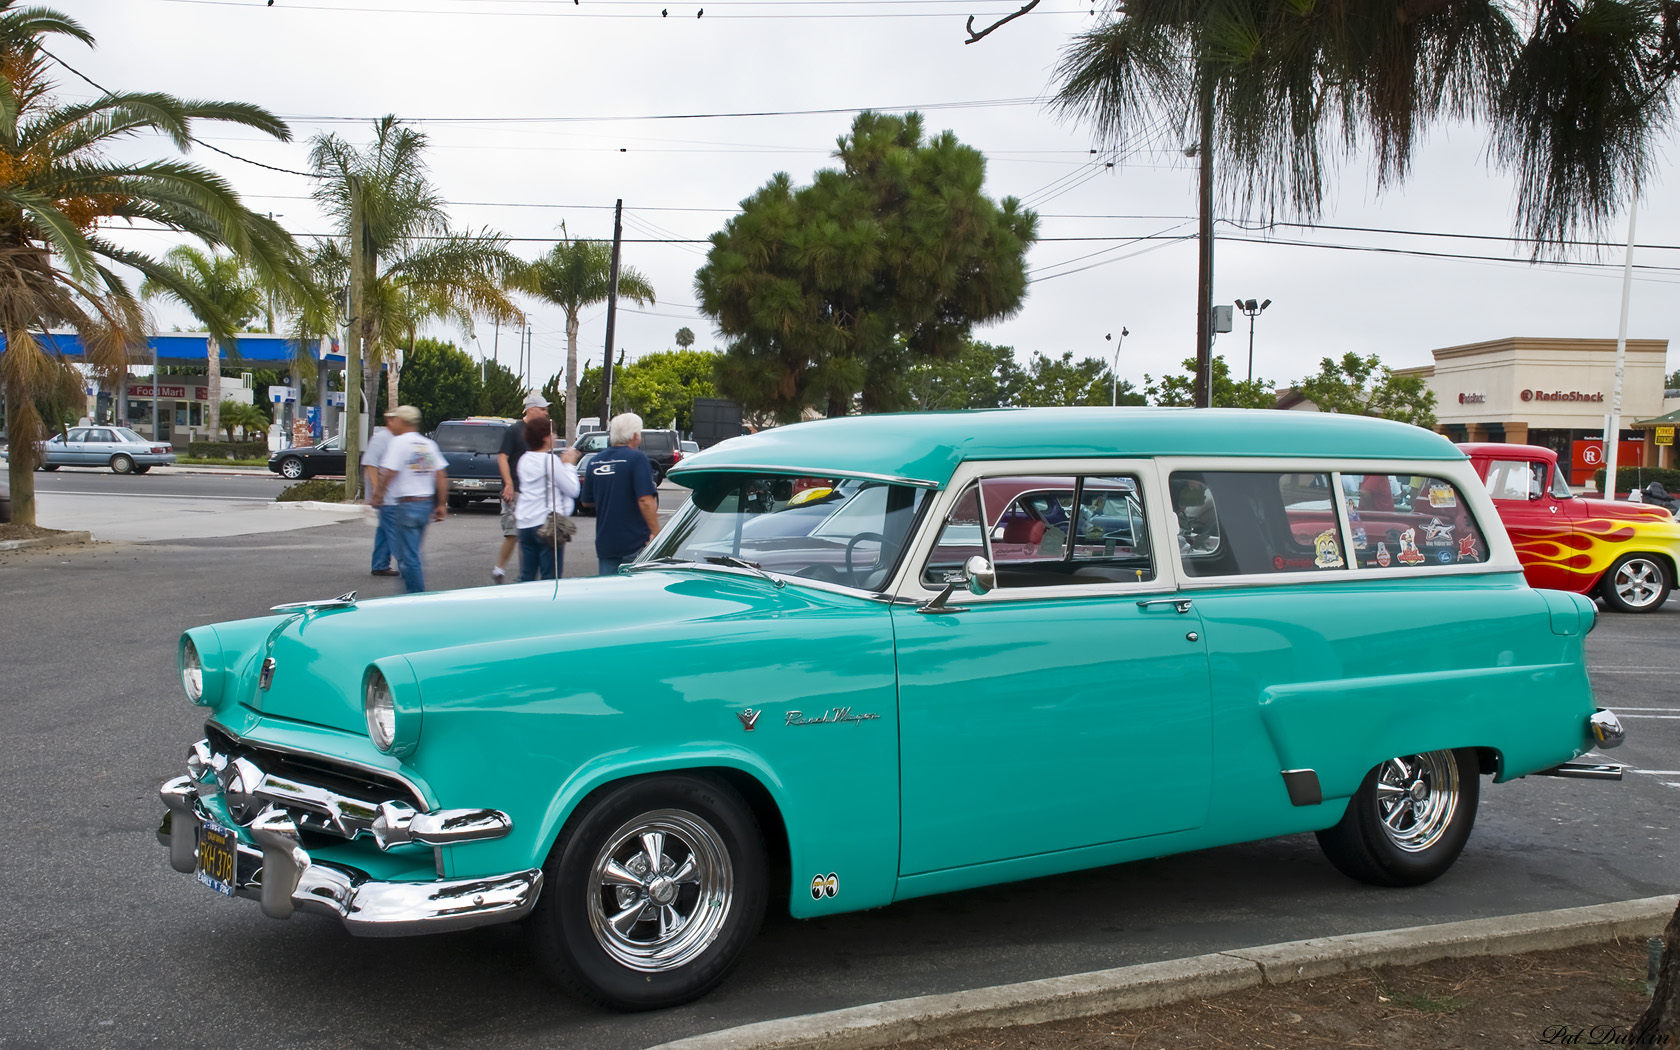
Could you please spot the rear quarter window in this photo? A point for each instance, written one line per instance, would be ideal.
(1241, 523)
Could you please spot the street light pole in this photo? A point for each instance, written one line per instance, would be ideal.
(1114, 373)
(1249, 309)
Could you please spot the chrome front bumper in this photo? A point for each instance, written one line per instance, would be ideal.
(273, 867)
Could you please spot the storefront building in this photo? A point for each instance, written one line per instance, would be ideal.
(182, 412)
(1551, 392)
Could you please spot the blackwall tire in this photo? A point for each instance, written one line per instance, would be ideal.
(614, 928)
(1636, 583)
(1409, 820)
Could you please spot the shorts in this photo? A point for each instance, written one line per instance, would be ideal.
(508, 527)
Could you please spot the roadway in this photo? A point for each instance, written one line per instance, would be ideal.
(110, 948)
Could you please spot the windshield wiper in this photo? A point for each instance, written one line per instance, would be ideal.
(742, 563)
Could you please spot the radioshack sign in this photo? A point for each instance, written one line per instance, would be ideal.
(1561, 395)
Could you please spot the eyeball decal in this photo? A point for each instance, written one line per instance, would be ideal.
(824, 886)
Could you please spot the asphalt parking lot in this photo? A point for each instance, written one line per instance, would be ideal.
(110, 948)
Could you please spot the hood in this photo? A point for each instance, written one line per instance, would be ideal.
(1622, 509)
(319, 659)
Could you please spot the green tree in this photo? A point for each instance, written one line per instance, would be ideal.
(500, 393)
(661, 387)
(1574, 95)
(1060, 381)
(1180, 391)
(418, 267)
(829, 292)
(223, 293)
(685, 337)
(1364, 386)
(441, 381)
(573, 275)
(66, 171)
(979, 376)
(246, 417)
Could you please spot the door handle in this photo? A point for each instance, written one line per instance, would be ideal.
(1181, 604)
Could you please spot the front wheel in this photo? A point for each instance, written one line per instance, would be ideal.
(121, 464)
(1408, 821)
(49, 467)
(291, 467)
(652, 892)
(1635, 583)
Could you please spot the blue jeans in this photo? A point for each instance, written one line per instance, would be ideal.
(382, 538)
(609, 566)
(539, 559)
(408, 528)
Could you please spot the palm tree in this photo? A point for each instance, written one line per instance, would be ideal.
(573, 275)
(685, 337)
(224, 296)
(60, 182)
(1574, 93)
(418, 269)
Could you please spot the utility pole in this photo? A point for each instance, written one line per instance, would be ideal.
(1613, 428)
(612, 314)
(496, 345)
(353, 347)
(1204, 265)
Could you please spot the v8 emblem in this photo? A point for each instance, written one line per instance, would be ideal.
(749, 718)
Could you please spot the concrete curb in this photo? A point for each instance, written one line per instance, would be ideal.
(349, 510)
(66, 539)
(1156, 984)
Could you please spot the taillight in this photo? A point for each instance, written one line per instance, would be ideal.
(676, 454)
(160, 448)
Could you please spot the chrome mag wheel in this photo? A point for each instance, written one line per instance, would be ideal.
(661, 891)
(1639, 583)
(1416, 798)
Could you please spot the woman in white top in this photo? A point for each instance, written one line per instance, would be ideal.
(546, 483)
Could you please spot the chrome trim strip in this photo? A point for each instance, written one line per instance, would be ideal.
(800, 581)
(799, 472)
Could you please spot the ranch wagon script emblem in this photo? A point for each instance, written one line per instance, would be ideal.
(834, 715)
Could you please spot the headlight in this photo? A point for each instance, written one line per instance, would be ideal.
(192, 671)
(381, 709)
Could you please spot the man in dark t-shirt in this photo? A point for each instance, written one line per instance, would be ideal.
(620, 485)
(507, 458)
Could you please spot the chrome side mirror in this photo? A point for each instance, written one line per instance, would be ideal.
(980, 575)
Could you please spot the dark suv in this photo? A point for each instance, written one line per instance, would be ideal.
(663, 448)
(471, 445)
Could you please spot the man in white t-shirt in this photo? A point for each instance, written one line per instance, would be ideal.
(377, 443)
(413, 479)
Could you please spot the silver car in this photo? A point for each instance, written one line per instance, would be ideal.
(118, 448)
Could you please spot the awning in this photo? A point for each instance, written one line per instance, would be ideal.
(1670, 420)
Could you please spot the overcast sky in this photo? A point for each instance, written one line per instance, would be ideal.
(539, 111)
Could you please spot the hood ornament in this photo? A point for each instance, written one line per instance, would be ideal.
(749, 718)
(343, 601)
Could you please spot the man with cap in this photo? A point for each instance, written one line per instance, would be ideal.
(414, 480)
(514, 446)
(376, 446)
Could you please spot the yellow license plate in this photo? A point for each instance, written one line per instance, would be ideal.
(218, 857)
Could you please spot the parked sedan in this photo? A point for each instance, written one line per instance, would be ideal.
(118, 448)
(310, 460)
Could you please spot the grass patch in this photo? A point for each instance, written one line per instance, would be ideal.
(318, 490)
(1422, 1001)
(211, 461)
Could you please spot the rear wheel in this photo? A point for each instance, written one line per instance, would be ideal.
(47, 467)
(1409, 820)
(1635, 583)
(142, 470)
(457, 502)
(121, 464)
(652, 892)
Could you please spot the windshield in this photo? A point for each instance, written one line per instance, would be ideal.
(834, 530)
(468, 437)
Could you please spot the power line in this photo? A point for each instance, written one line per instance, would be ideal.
(566, 11)
(192, 138)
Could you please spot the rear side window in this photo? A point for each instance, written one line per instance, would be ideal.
(1403, 520)
(469, 437)
(657, 441)
(1234, 523)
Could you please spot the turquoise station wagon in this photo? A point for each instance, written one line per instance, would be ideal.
(896, 656)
